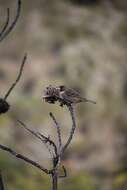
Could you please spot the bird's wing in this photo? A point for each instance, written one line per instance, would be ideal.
(72, 93)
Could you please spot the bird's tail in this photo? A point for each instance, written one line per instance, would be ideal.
(90, 101)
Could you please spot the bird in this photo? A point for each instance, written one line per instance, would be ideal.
(71, 96)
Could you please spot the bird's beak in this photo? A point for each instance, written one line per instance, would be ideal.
(46, 96)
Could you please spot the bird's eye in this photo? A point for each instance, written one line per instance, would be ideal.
(62, 88)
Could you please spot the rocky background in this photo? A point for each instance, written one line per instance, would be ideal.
(81, 43)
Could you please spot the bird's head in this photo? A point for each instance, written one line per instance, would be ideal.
(62, 88)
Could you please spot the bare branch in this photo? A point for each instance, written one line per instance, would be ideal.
(31, 131)
(54, 180)
(58, 131)
(65, 172)
(17, 79)
(6, 23)
(1, 182)
(12, 25)
(36, 135)
(24, 158)
(48, 140)
(71, 110)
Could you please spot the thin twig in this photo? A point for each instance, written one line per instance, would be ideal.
(24, 158)
(17, 79)
(31, 131)
(65, 172)
(1, 182)
(41, 137)
(6, 23)
(58, 131)
(36, 135)
(47, 139)
(10, 28)
(71, 110)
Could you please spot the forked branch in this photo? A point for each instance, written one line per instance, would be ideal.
(7, 29)
(41, 137)
(48, 140)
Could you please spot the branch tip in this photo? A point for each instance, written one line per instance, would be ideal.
(18, 77)
(64, 171)
(7, 29)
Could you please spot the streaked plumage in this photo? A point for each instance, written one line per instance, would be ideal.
(71, 96)
(64, 95)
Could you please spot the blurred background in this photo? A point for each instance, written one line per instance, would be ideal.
(83, 44)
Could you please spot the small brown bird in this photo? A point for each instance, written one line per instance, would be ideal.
(71, 96)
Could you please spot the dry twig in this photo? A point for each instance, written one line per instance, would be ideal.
(58, 131)
(4, 105)
(64, 174)
(47, 139)
(71, 110)
(24, 158)
(7, 29)
(37, 135)
(17, 79)
(6, 23)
